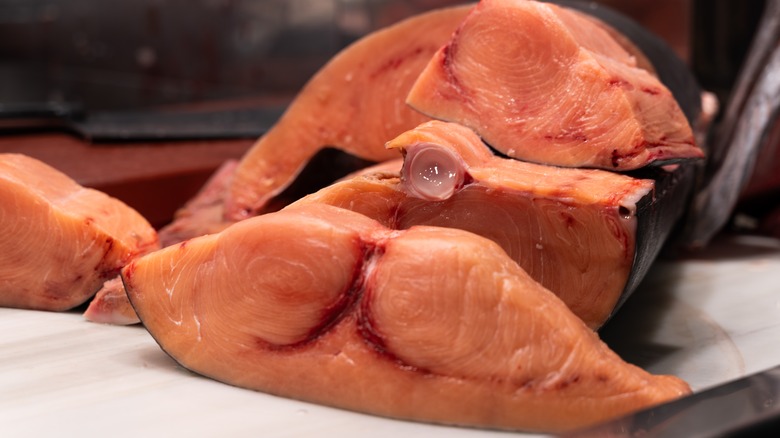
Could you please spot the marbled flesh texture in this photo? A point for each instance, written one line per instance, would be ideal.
(200, 215)
(59, 240)
(572, 230)
(545, 84)
(355, 103)
(111, 305)
(432, 324)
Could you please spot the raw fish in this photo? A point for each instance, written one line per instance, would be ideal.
(430, 324)
(545, 84)
(60, 241)
(111, 305)
(199, 216)
(573, 230)
(355, 103)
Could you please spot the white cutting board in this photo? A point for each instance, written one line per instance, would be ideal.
(708, 320)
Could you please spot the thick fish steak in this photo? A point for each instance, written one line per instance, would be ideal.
(431, 324)
(60, 241)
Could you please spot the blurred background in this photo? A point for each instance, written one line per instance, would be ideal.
(144, 53)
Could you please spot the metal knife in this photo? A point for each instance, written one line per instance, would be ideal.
(138, 125)
(749, 406)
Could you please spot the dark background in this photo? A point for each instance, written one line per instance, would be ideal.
(141, 53)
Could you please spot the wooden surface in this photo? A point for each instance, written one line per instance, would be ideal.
(155, 178)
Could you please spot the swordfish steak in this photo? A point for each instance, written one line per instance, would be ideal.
(59, 240)
(546, 84)
(433, 324)
(572, 230)
(353, 104)
(200, 215)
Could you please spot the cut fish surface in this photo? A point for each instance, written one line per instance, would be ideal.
(355, 103)
(201, 215)
(431, 324)
(60, 241)
(572, 230)
(546, 84)
(111, 305)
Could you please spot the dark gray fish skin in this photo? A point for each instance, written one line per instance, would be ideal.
(658, 215)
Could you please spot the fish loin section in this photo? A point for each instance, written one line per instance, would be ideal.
(59, 240)
(428, 324)
(573, 230)
(545, 84)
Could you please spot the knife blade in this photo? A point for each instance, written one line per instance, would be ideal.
(742, 407)
(138, 125)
